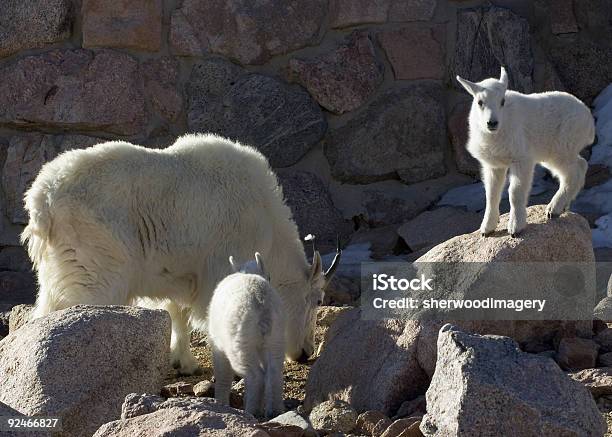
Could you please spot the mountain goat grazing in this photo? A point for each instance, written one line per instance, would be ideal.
(116, 222)
(246, 333)
(513, 131)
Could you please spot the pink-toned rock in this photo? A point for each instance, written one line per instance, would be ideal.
(562, 19)
(380, 426)
(248, 32)
(343, 79)
(25, 156)
(415, 51)
(344, 13)
(161, 76)
(33, 23)
(458, 133)
(577, 353)
(76, 89)
(598, 381)
(176, 389)
(383, 372)
(134, 24)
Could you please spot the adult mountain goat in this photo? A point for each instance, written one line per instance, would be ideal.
(514, 131)
(117, 222)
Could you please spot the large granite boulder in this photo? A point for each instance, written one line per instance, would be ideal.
(181, 417)
(401, 134)
(281, 120)
(488, 37)
(56, 90)
(484, 385)
(33, 24)
(343, 79)
(80, 363)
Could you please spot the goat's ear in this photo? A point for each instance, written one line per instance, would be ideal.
(260, 265)
(235, 268)
(470, 87)
(503, 77)
(317, 267)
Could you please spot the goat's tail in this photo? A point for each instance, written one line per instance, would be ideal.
(38, 231)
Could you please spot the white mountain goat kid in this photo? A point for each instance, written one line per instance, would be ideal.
(246, 332)
(510, 131)
(116, 223)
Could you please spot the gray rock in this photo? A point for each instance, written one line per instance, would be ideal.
(384, 370)
(15, 259)
(577, 353)
(484, 385)
(488, 37)
(292, 418)
(161, 76)
(33, 24)
(8, 412)
(204, 389)
(367, 420)
(458, 133)
(176, 389)
(55, 90)
(17, 287)
(390, 202)
(248, 32)
(604, 340)
(411, 124)
(282, 121)
(413, 407)
(605, 360)
(333, 415)
(81, 362)
(603, 310)
(26, 155)
(20, 315)
(313, 209)
(383, 241)
(578, 63)
(434, 227)
(137, 405)
(183, 417)
(343, 79)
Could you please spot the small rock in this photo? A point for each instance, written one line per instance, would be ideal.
(366, 421)
(605, 360)
(408, 427)
(177, 389)
(598, 381)
(577, 353)
(416, 406)
(604, 340)
(333, 415)
(381, 426)
(204, 389)
(279, 430)
(550, 354)
(603, 310)
(292, 418)
(137, 405)
(20, 315)
(383, 241)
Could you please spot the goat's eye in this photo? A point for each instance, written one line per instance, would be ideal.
(480, 103)
(503, 102)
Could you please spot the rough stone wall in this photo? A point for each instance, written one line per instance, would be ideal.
(353, 101)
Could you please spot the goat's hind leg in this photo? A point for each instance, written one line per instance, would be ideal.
(223, 376)
(274, 381)
(570, 175)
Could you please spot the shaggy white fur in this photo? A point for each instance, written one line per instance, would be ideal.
(511, 132)
(117, 222)
(246, 333)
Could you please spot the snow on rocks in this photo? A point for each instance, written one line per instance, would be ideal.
(484, 385)
(81, 362)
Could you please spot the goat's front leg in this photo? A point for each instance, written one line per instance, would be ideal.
(521, 178)
(494, 179)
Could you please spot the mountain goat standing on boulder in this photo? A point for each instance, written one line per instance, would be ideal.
(117, 222)
(514, 131)
(246, 333)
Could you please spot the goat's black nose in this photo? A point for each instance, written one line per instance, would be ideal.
(492, 124)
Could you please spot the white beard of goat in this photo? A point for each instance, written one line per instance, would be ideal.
(510, 132)
(118, 224)
(246, 334)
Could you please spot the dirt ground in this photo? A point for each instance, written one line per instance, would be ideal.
(295, 373)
